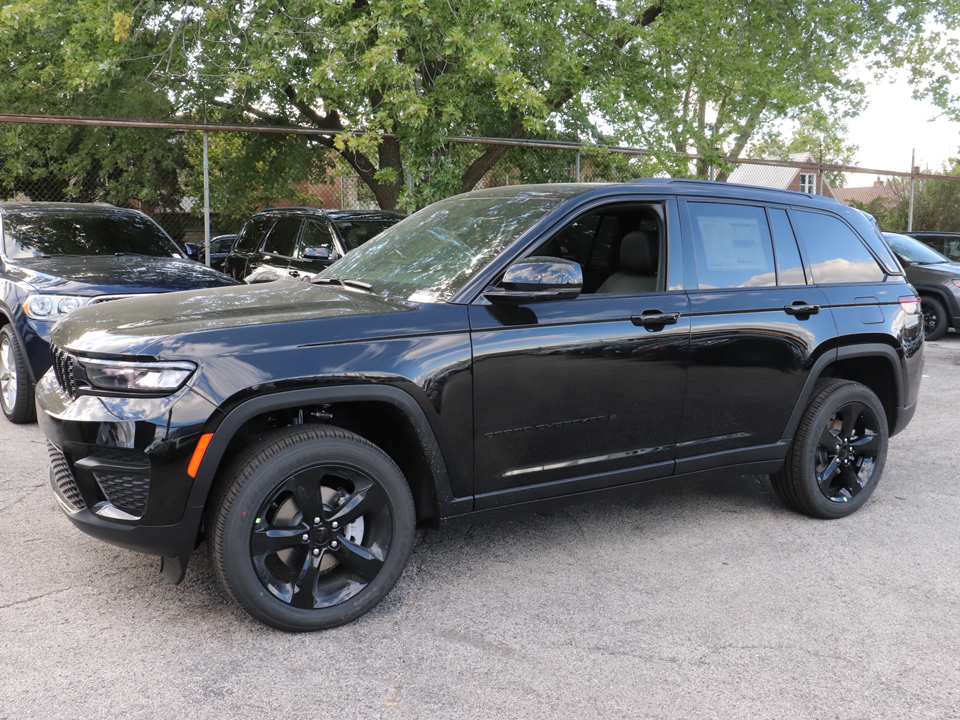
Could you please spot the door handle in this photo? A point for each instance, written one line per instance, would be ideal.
(799, 308)
(294, 273)
(655, 318)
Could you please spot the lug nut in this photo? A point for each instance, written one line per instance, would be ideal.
(305, 537)
(316, 551)
(316, 521)
(334, 544)
(334, 524)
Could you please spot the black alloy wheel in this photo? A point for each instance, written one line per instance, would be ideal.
(838, 453)
(313, 529)
(16, 391)
(934, 318)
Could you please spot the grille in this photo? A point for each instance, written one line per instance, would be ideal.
(125, 491)
(63, 367)
(63, 477)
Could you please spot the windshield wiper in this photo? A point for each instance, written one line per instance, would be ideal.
(343, 282)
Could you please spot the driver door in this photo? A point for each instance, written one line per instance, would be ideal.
(577, 395)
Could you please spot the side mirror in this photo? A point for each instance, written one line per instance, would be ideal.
(538, 279)
(193, 251)
(317, 253)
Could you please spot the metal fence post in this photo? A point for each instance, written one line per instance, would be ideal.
(578, 166)
(913, 183)
(206, 197)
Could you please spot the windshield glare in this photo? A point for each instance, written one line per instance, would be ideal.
(911, 250)
(39, 234)
(430, 255)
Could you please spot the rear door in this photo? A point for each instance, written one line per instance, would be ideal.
(757, 326)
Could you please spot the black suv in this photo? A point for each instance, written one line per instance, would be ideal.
(299, 242)
(56, 257)
(497, 350)
(936, 279)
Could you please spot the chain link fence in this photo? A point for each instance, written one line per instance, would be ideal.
(159, 168)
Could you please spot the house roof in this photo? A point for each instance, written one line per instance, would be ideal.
(769, 175)
(866, 195)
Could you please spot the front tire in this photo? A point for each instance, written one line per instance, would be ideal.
(312, 528)
(837, 454)
(16, 391)
(935, 320)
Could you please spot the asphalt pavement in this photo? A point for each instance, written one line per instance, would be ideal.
(710, 601)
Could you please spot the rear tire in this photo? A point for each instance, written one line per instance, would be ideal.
(837, 454)
(16, 390)
(935, 320)
(312, 528)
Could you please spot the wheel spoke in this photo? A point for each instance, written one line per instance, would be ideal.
(849, 415)
(364, 496)
(828, 441)
(365, 562)
(867, 446)
(826, 475)
(274, 539)
(305, 595)
(306, 489)
(850, 481)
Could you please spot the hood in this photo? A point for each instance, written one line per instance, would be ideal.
(113, 274)
(129, 326)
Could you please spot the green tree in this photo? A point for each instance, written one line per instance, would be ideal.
(936, 204)
(820, 134)
(49, 69)
(388, 80)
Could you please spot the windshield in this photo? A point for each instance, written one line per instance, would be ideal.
(356, 231)
(914, 251)
(43, 233)
(430, 255)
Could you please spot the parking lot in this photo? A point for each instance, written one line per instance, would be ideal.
(712, 601)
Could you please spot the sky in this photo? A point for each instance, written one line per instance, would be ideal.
(892, 125)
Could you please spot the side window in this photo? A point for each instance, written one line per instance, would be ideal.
(732, 244)
(252, 233)
(618, 249)
(282, 237)
(789, 265)
(316, 234)
(836, 254)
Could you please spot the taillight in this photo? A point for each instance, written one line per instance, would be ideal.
(910, 304)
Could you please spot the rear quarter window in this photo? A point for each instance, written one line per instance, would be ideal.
(835, 253)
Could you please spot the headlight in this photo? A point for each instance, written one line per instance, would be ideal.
(956, 282)
(143, 377)
(51, 307)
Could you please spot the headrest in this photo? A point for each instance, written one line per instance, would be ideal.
(639, 253)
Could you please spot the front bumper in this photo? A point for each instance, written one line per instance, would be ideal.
(119, 465)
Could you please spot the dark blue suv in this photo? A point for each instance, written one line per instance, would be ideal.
(57, 257)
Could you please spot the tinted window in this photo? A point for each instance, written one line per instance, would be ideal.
(39, 234)
(316, 233)
(283, 237)
(835, 252)
(252, 233)
(733, 246)
(914, 251)
(355, 233)
(789, 265)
